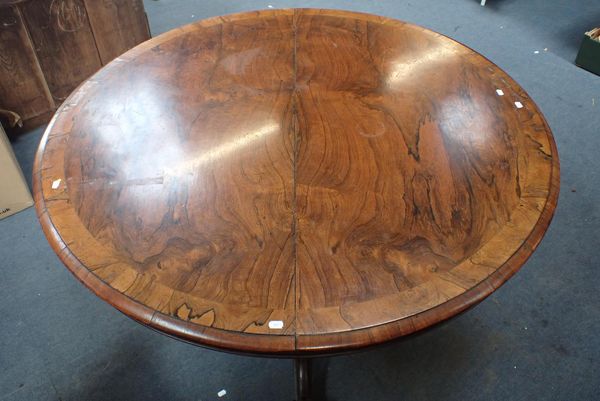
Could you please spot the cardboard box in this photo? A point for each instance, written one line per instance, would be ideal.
(14, 192)
(589, 52)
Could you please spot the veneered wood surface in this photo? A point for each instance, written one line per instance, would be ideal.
(353, 177)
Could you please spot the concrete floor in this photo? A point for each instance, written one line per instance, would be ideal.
(534, 339)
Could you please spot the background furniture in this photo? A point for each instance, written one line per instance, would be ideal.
(48, 47)
(588, 56)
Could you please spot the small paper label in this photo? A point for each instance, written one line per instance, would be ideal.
(519, 105)
(276, 324)
(500, 92)
(221, 393)
(56, 184)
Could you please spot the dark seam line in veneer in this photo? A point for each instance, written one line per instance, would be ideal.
(295, 141)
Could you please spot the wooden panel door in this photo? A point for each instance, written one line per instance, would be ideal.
(64, 43)
(118, 25)
(22, 84)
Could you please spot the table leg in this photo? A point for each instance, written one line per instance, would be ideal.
(302, 368)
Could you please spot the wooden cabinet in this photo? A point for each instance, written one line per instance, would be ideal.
(48, 47)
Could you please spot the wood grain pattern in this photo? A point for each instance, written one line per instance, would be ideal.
(296, 181)
(118, 25)
(22, 86)
(48, 47)
(61, 34)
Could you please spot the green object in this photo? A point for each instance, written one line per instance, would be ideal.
(589, 55)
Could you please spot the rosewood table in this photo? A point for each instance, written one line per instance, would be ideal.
(296, 182)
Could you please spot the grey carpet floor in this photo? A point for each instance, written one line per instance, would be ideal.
(534, 339)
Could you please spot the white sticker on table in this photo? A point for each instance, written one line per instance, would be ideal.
(276, 324)
(519, 105)
(56, 184)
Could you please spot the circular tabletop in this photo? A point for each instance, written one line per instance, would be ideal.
(296, 182)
